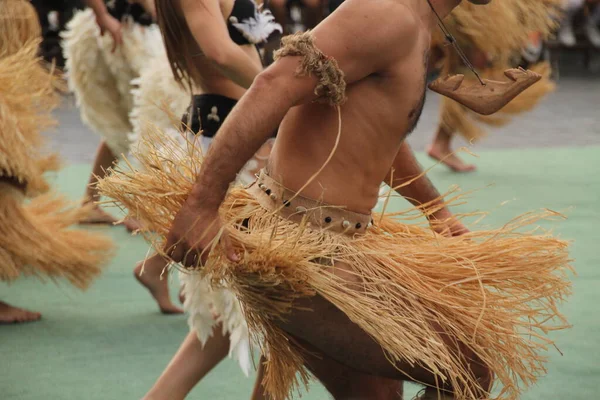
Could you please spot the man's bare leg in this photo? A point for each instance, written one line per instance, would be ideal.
(344, 383)
(189, 365)
(329, 330)
(259, 391)
(149, 273)
(104, 159)
(10, 314)
(440, 150)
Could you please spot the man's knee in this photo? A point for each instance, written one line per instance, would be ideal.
(485, 380)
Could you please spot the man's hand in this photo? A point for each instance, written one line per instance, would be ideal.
(108, 23)
(446, 224)
(193, 234)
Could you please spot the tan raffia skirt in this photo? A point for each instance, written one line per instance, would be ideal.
(35, 234)
(496, 291)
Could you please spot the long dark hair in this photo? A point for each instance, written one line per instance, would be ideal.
(178, 41)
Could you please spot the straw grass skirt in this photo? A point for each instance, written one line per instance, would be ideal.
(101, 79)
(35, 238)
(495, 290)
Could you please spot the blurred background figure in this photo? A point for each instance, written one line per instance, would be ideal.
(295, 15)
(581, 21)
(53, 16)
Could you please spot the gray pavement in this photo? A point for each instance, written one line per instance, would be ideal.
(568, 117)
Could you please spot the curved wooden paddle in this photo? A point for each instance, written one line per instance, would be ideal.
(489, 98)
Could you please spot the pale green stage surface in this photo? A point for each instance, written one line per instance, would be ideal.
(112, 343)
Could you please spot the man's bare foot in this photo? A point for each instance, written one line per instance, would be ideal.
(158, 286)
(132, 225)
(449, 159)
(10, 314)
(98, 216)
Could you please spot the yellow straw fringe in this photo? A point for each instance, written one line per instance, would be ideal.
(35, 240)
(496, 291)
(501, 28)
(28, 98)
(19, 24)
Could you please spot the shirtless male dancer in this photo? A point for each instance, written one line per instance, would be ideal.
(382, 50)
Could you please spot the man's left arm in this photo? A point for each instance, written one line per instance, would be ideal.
(409, 180)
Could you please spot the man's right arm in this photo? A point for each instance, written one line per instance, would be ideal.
(363, 41)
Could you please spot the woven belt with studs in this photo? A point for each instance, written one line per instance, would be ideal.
(274, 197)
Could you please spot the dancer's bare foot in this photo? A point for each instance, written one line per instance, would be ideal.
(10, 314)
(132, 225)
(148, 273)
(98, 216)
(446, 157)
(182, 295)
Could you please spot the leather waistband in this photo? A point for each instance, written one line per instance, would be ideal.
(274, 197)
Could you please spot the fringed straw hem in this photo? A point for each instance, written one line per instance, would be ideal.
(35, 240)
(495, 291)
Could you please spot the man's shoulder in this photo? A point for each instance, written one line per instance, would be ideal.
(392, 18)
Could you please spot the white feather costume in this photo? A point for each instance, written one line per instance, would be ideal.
(157, 98)
(101, 80)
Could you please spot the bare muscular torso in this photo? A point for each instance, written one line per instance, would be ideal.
(379, 112)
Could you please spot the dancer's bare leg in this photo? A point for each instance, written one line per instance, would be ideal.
(189, 365)
(332, 335)
(348, 384)
(10, 314)
(259, 391)
(104, 159)
(440, 150)
(150, 274)
(132, 225)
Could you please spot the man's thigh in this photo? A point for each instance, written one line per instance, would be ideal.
(346, 383)
(321, 324)
(326, 328)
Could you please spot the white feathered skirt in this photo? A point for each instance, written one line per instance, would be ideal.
(158, 102)
(102, 79)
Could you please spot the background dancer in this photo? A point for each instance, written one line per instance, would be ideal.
(105, 49)
(365, 293)
(35, 239)
(224, 63)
